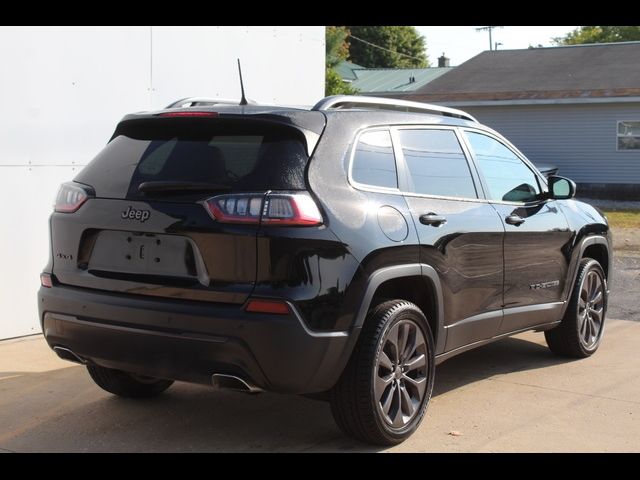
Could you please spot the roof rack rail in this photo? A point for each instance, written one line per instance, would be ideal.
(204, 101)
(344, 102)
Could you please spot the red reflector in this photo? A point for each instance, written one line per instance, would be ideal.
(45, 280)
(267, 306)
(189, 114)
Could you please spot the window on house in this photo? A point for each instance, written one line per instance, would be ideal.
(629, 135)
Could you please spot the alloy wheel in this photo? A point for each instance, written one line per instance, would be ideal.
(400, 376)
(591, 309)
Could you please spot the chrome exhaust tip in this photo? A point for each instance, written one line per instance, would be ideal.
(231, 382)
(67, 354)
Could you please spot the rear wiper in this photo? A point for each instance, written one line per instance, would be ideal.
(176, 186)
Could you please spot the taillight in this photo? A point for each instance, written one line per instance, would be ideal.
(70, 198)
(291, 209)
(287, 209)
(46, 280)
(237, 208)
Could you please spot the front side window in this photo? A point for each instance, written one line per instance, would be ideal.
(436, 163)
(629, 135)
(509, 179)
(373, 161)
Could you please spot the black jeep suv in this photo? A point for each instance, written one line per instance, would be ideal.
(341, 252)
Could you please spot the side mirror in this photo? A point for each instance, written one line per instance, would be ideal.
(561, 188)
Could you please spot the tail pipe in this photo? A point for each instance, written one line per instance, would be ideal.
(68, 354)
(231, 382)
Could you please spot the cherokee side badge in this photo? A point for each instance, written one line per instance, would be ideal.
(538, 286)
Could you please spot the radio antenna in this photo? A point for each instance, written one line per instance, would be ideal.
(243, 100)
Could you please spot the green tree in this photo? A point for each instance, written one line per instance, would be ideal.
(388, 47)
(337, 50)
(335, 85)
(602, 34)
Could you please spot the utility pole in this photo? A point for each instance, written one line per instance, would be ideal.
(490, 30)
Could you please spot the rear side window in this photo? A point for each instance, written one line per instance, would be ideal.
(436, 163)
(373, 161)
(235, 155)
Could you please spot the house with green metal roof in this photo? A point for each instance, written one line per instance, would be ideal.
(390, 81)
(346, 70)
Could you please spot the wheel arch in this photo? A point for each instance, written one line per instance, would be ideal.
(599, 252)
(598, 248)
(419, 283)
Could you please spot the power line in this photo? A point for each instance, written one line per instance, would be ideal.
(490, 30)
(382, 48)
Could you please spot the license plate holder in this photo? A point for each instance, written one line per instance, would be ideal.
(144, 254)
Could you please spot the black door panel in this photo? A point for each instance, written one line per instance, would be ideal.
(535, 230)
(535, 266)
(466, 251)
(460, 238)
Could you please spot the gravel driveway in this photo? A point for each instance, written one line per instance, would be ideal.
(625, 286)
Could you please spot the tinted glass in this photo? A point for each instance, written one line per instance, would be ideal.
(240, 156)
(507, 177)
(436, 163)
(373, 161)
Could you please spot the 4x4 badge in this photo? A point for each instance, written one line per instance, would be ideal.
(135, 214)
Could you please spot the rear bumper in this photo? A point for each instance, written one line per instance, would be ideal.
(190, 341)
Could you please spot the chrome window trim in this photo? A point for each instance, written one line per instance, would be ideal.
(397, 151)
(471, 160)
(364, 186)
(402, 158)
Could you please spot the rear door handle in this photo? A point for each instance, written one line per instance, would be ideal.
(514, 219)
(432, 219)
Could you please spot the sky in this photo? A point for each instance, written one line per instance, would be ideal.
(462, 43)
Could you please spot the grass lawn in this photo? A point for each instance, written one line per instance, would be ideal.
(623, 218)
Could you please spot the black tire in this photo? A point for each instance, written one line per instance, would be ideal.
(126, 384)
(580, 333)
(353, 400)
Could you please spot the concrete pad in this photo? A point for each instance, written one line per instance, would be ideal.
(513, 395)
(28, 355)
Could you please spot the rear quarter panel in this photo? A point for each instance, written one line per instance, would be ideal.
(355, 216)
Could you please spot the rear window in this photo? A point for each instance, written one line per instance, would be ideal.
(237, 155)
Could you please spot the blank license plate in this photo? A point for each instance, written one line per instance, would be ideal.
(148, 254)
